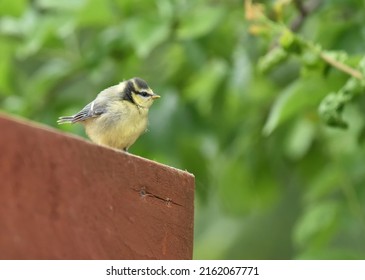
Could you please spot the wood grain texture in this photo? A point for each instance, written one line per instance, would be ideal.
(62, 197)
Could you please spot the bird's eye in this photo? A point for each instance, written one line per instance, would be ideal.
(144, 94)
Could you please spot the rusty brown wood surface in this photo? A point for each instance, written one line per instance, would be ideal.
(62, 197)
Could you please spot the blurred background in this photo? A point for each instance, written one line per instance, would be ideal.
(273, 181)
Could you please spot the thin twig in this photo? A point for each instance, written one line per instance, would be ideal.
(300, 7)
(342, 67)
(304, 11)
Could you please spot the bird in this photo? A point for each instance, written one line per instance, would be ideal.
(118, 115)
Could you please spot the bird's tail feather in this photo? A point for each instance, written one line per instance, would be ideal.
(66, 119)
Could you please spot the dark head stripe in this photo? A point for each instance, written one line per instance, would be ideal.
(129, 88)
(141, 84)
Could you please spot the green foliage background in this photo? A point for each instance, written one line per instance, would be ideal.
(273, 181)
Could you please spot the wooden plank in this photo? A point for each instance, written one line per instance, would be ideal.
(62, 197)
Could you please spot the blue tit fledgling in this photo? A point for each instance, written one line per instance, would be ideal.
(118, 115)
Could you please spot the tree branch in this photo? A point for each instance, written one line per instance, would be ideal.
(304, 11)
(342, 67)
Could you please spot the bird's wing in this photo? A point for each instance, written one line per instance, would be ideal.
(91, 110)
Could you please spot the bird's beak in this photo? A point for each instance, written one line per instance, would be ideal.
(155, 96)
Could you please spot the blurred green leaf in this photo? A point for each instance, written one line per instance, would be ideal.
(325, 182)
(272, 59)
(241, 196)
(300, 138)
(6, 49)
(332, 254)
(41, 33)
(145, 34)
(95, 13)
(14, 104)
(12, 8)
(64, 5)
(301, 95)
(199, 21)
(290, 43)
(330, 110)
(311, 61)
(203, 86)
(316, 224)
(249, 192)
(362, 65)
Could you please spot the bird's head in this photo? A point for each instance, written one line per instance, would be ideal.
(139, 93)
